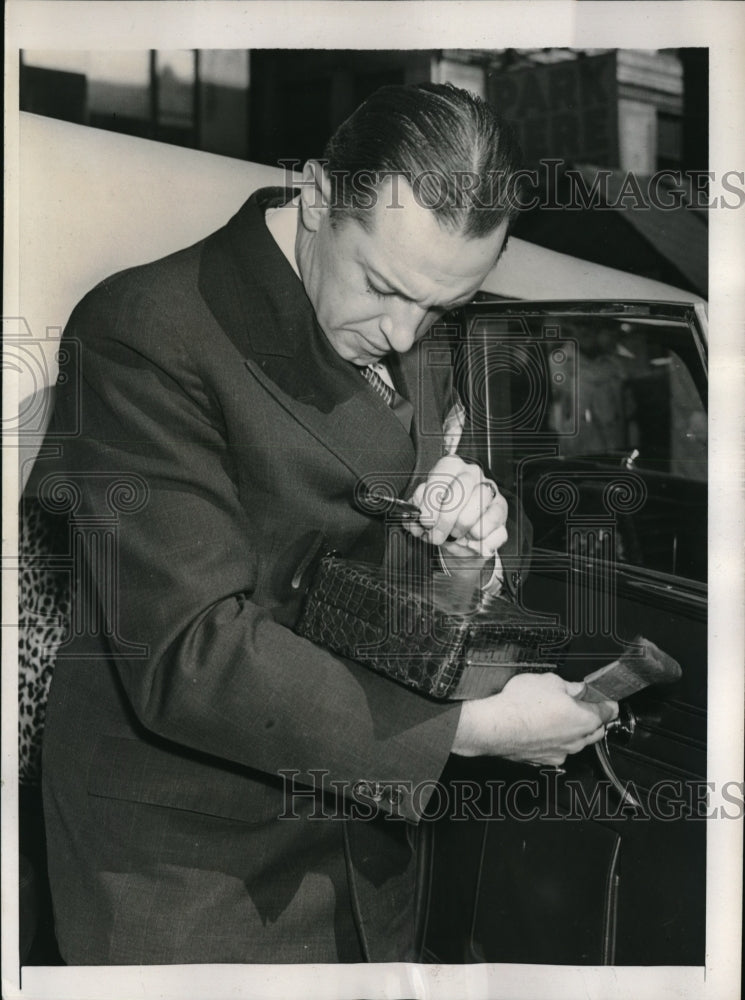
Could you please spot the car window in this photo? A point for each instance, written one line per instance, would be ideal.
(595, 417)
(627, 394)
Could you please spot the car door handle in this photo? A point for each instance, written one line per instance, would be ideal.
(620, 731)
(622, 728)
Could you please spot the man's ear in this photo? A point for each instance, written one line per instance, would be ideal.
(315, 195)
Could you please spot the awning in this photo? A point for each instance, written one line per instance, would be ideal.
(630, 223)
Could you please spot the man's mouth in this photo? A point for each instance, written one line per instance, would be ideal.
(376, 351)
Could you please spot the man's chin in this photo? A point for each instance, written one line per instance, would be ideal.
(362, 357)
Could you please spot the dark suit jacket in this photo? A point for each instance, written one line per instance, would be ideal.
(183, 703)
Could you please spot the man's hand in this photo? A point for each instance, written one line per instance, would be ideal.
(535, 719)
(462, 512)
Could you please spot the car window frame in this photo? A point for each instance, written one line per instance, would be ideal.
(667, 587)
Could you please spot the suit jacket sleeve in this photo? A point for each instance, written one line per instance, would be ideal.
(220, 675)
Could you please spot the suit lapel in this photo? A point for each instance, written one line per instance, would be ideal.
(258, 300)
(358, 428)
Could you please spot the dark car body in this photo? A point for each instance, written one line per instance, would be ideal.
(594, 414)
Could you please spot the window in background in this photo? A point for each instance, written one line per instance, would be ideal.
(223, 85)
(119, 90)
(587, 402)
(174, 97)
(55, 84)
(669, 140)
(185, 97)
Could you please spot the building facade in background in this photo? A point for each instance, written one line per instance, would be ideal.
(617, 108)
(583, 111)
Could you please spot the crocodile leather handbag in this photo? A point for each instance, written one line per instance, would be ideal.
(409, 631)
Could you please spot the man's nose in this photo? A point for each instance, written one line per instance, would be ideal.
(402, 324)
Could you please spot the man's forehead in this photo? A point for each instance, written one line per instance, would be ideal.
(405, 232)
(395, 198)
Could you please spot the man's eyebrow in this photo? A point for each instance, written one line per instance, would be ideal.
(389, 286)
(393, 290)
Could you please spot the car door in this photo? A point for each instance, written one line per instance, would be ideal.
(594, 415)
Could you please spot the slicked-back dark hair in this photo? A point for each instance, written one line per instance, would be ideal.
(452, 147)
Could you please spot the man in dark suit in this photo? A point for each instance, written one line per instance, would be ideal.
(203, 763)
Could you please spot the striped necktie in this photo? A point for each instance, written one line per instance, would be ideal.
(401, 407)
(386, 393)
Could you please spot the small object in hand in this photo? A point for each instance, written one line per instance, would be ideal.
(641, 664)
(403, 507)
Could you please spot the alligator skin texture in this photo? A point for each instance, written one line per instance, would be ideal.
(397, 628)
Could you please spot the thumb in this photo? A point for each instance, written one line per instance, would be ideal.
(575, 689)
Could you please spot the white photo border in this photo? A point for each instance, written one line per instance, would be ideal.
(173, 24)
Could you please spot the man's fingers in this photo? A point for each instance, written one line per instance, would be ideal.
(595, 736)
(494, 541)
(458, 504)
(606, 710)
(418, 494)
(476, 519)
(609, 711)
(442, 504)
(416, 529)
(485, 548)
